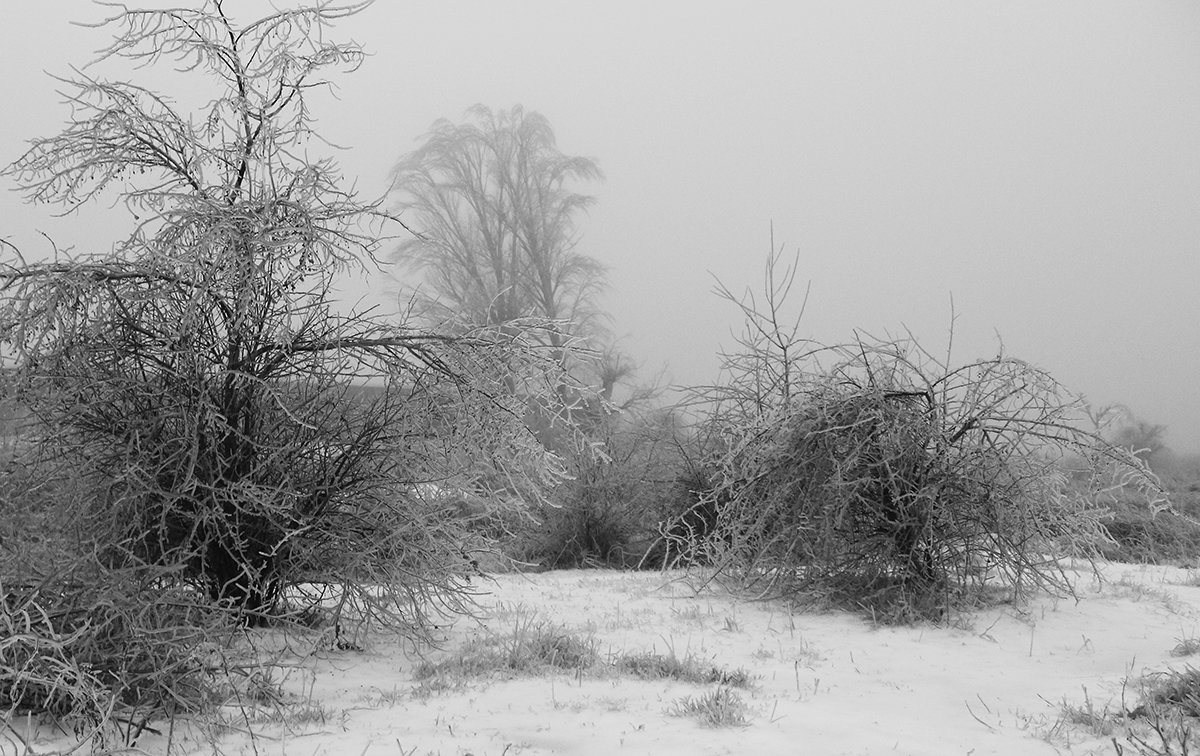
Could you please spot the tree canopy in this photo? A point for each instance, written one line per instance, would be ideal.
(493, 201)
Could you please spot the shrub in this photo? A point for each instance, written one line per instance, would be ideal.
(690, 515)
(104, 652)
(1167, 536)
(101, 648)
(1146, 537)
(608, 512)
(875, 476)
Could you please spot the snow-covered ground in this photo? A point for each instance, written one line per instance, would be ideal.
(825, 683)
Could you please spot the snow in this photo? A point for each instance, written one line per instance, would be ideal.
(827, 683)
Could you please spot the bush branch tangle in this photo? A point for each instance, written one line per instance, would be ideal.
(877, 475)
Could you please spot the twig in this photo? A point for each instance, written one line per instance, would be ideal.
(977, 719)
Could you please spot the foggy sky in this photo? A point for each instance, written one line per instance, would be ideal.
(1039, 162)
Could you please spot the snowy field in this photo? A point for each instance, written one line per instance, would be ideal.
(992, 683)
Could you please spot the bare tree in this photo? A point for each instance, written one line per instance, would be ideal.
(230, 420)
(493, 202)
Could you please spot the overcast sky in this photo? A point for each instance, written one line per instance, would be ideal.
(1038, 161)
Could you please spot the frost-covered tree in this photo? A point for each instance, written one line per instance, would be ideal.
(230, 421)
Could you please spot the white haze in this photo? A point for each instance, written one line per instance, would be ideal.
(1038, 162)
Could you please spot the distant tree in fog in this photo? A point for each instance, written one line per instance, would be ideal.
(1128, 431)
(493, 203)
(1145, 439)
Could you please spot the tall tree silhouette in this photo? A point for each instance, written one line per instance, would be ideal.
(492, 201)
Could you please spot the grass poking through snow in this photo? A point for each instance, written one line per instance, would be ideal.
(722, 707)
(1178, 689)
(1186, 647)
(653, 666)
(1098, 721)
(534, 646)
